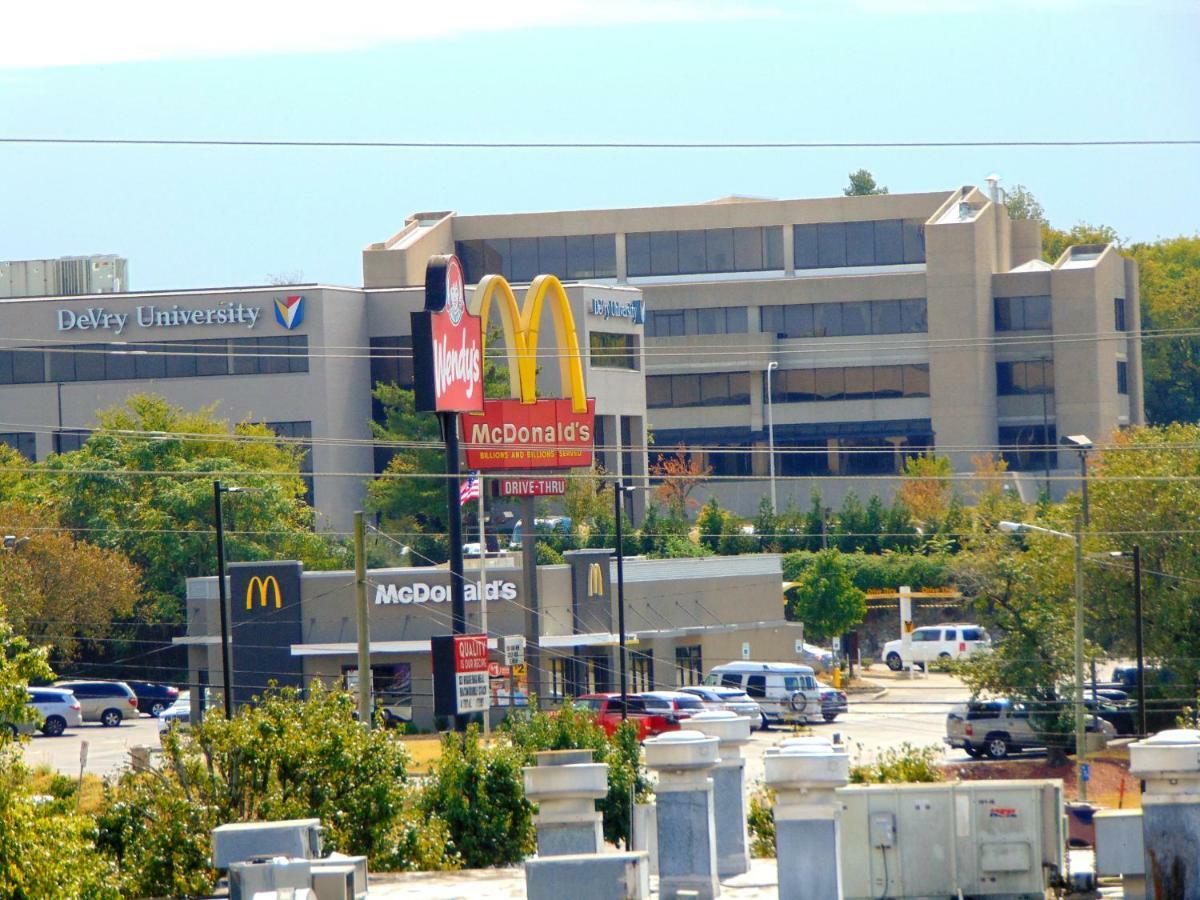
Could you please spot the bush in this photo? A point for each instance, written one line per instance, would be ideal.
(284, 758)
(760, 822)
(478, 791)
(899, 765)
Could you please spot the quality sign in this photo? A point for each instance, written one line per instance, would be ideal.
(460, 674)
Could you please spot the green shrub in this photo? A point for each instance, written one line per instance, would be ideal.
(760, 822)
(282, 758)
(478, 791)
(899, 765)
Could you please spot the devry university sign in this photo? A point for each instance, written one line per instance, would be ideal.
(100, 318)
(447, 343)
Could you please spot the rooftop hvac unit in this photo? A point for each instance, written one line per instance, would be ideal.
(300, 838)
(246, 879)
(331, 882)
(337, 860)
(985, 839)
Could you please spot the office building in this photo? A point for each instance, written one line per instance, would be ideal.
(885, 325)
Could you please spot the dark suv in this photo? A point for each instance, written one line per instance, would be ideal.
(153, 698)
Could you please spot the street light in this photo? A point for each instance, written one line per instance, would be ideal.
(226, 666)
(1080, 727)
(771, 366)
(1082, 444)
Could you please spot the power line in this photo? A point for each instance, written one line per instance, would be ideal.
(592, 145)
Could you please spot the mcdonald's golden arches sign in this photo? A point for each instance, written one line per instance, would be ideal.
(528, 432)
(263, 589)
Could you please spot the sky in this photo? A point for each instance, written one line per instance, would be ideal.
(563, 70)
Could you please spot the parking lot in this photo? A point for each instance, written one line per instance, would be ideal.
(108, 748)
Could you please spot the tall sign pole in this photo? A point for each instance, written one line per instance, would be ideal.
(448, 374)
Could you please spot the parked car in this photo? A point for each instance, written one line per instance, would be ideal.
(672, 703)
(784, 692)
(953, 640)
(549, 525)
(57, 710)
(996, 728)
(816, 655)
(177, 715)
(607, 710)
(106, 702)
(153, 698)
(1128, 676)
(1123, 716)
(833, 702)
(734, 700)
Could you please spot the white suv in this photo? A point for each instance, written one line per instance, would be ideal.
(57, 710)
(954, 640)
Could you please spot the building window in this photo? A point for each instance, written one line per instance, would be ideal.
(1028, 447)
(1122, 377)
(570, 258)
(613, 351)
(1026, 377)
(1022, 313)
(21, 441)
(641, 671)
(849, 383)
(699, 252)
(845, 319)
(559, 684)
(1119, 322)
(22, 367)
(298, 435)
(391, 687)
(802, 457)
(712, 389)
(689, 668)
(270, 355)
(873, 242)
(68, 440)
(734, 461)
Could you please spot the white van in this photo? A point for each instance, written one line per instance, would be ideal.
(786, 692)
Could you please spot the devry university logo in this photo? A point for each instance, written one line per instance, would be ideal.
(456, 294)
(289, 312)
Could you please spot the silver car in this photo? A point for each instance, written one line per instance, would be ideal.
(57, 710)
(106, 702)
(732, 699)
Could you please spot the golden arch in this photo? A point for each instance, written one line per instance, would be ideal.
(595, 581)
(263, 586)
(520, 325)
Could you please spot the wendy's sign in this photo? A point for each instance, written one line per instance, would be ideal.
(447, 343)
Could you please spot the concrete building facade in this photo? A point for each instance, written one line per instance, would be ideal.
(884, 325)
(306, 370)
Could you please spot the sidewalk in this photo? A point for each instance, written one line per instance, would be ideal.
(759, 883)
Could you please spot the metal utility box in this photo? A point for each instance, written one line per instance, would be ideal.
(983, 838)
(249, 878)
(358, 863)
(1119, 846)
(300, 838)
(333, 882)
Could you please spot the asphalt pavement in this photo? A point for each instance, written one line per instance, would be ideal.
(108, 748)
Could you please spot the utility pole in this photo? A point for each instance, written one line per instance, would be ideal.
(458, 596)
(618, 494)
(771, 366)
(1080, 732)
(533, 625)
(483, 610)
(364, 624)
(223, 599)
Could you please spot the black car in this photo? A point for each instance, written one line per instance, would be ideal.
(153, 698)
(1128, 676)
(1123, 716)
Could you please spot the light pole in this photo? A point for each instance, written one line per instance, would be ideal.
(222, 594)
(1082, 444)
(771, 366)
(1080, 718)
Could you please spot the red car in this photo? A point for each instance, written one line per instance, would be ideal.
(607, 710)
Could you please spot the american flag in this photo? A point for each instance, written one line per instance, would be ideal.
(469, 490)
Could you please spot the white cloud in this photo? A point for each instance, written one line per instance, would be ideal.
(39, 35)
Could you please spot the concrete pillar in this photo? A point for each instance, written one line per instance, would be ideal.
(729, 787)
(566, 785)
(645, 831)
(1169, 762)
(687, 846)
(805, 772)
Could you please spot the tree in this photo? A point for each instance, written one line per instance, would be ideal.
(928, 491)
(1055, 242)
(142, 485)
(862, 184)
(62, 591)
(825, 599)
(681, 474)
(1023, 205)
(1169, 274)
(21, 663)
(711, 523)
(766, 526)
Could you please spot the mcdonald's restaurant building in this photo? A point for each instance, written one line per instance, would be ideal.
(682, 618)
(303, 359)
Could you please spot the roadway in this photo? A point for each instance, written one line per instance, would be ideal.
(108, 748)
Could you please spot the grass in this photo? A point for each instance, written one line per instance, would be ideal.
(43, 778)
(425, 750)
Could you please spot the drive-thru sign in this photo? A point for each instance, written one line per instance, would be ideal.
(460, 674)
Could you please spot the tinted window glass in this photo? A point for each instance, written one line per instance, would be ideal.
(655, 703)
(736, 320)
(773, 247)
(799, 321)
(62, 365)
(496, 257)
(756, 685)
(552, 256)
(916, 381)
(972, 634)
(149, 362)
(747, 249)
(6, 367)
(856, 318)
(828, 384)
(831, 244)
(804, 247)
(889, 382)
(90, 363)
(692, 703)
(658, 391)
(913, 316)
(685, 390)
(691, 252)
(719, 249)
(606, 255)
(181, 361)
(212, 357)
(860, 382)
(664, 253)
(827, 319)
(731, 679)
(28, 366)
(889, 242)
(770, 319)
(581, 258)
(914, 241)
(1037, 313)
(524, 266)
(791, 683)
(885, 316)
(860, 243)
